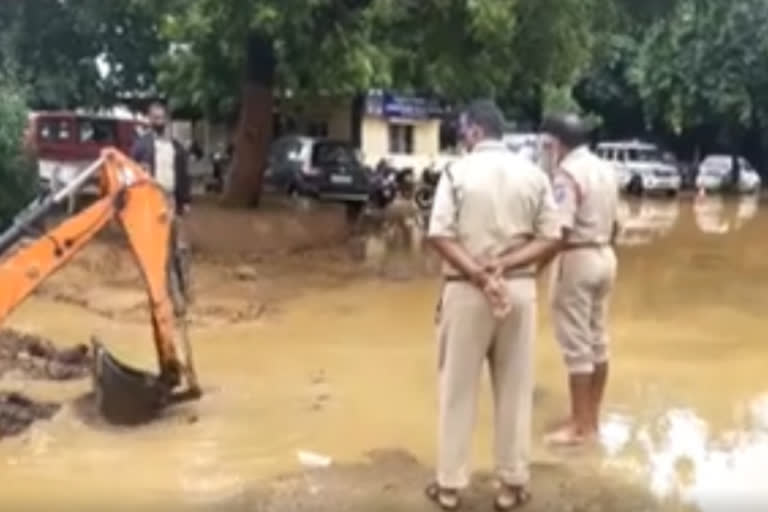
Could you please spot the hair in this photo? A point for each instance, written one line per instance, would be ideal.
(568, 128)
(486, 115)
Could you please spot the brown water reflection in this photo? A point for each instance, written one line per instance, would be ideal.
(345, 371)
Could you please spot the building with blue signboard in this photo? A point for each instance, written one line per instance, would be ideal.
(405, 129)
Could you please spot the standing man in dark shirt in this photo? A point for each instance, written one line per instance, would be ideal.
(167, 161)
(164, 158)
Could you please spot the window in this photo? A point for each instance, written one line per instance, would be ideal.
(401, 139)
(334, 153)
(745, 165)
(52, 130)
(98, 131)
(645, 155)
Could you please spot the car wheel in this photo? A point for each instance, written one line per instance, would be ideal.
(423, 198)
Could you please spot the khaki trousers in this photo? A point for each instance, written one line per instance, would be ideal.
(468, 336)
(582, 283)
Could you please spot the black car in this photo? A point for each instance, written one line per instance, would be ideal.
(323, 169)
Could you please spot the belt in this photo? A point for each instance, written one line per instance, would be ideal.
(574, 246)
(456, 278)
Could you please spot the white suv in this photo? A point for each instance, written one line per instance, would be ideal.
(640, 167)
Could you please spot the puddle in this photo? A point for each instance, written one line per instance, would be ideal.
(347, 370)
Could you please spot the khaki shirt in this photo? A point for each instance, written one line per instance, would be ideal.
(492, 200)
(587, 193)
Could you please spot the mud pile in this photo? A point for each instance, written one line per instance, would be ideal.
(18, 412)
(34, 357)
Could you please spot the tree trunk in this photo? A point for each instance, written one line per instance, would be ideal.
(254, 130)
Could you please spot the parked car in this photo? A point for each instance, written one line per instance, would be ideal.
(322, 169)
(641, 167)
(715, 171)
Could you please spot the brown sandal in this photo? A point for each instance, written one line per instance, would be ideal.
(512, 497)
(446, 499)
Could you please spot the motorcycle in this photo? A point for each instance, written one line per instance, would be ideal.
(425, 192)
(220, 161)
(387, 183)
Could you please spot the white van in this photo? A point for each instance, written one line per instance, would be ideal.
(640, 167)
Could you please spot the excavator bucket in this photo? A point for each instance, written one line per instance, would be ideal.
(125, 395)
(129, 396)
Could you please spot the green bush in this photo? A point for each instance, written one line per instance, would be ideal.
(18, 168)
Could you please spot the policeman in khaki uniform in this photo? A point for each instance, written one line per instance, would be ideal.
(494, 218)
(586, 191)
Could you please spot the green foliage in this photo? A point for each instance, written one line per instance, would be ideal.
(18, 173)
(62, 47)
(706, 62)
(322, 47)
(671, 64)
(456, 48)
(511, 49)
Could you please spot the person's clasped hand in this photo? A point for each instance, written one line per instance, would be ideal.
(494, 287)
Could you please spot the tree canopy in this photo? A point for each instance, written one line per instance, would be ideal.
(72, 53)
(669, 66)
(18, 181)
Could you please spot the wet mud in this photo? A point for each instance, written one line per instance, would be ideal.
(36, 357)
(328, 347)
(33, 357)
(18, 413)
(393, 481)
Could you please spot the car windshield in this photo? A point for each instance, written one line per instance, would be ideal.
(717, 161)
(717, 165)
(334, 153)
(644, 155)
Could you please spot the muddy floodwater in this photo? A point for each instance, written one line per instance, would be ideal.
(349, 371)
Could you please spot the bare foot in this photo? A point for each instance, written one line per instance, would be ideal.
(568, 435)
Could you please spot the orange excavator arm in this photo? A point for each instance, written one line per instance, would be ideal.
(132, 198)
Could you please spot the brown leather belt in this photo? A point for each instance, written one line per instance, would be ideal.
(455, 278)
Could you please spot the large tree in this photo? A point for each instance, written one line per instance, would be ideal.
(229, 57)
(456, 48)
(707, 65)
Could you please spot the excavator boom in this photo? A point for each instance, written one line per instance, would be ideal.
(132, 198)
